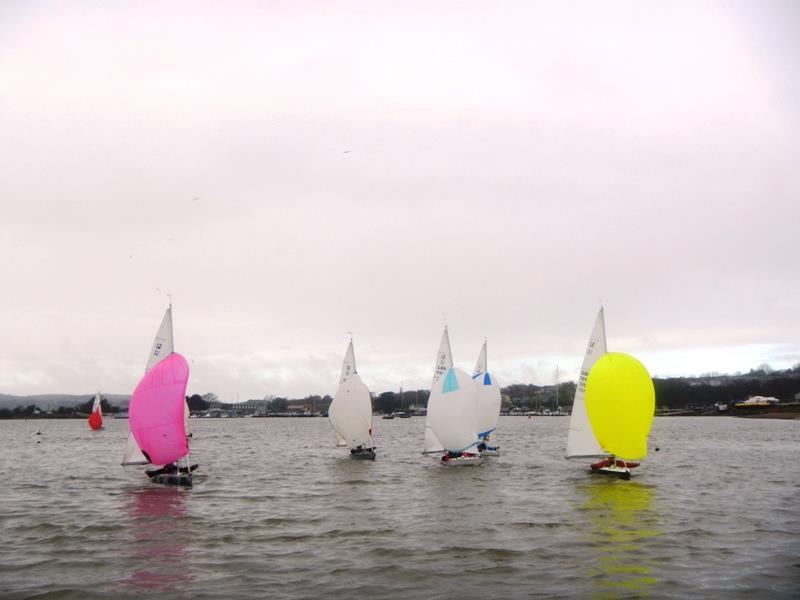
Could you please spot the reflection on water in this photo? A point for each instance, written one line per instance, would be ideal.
(158, 537)
(622, 521)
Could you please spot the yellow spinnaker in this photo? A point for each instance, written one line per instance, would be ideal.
(620, 403)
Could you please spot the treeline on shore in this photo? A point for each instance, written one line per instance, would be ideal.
(671, 393)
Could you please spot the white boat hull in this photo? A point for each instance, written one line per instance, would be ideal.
(618, 472)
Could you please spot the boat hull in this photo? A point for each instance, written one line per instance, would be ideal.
(369, 455)
(178, 479)
(463, 461)
(618, 472)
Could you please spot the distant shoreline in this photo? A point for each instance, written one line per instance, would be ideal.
(778, 411)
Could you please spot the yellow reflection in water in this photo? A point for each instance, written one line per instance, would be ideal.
(622, 523)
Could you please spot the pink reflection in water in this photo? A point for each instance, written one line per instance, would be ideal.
(157, 546)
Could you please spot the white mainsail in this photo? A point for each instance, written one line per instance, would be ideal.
(452, 411)
(444, 362)
(96, 406)
(581, 442)
(133, 454)
(482, 365)
(348, 363)
(489, 399)
(350, 413)
(163, 346)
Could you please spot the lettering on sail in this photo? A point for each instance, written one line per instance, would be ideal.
(584, 373)
(440, 366)
(346, 372)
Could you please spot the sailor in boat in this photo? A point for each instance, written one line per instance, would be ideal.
(360, 449)
(484, 446)
(612, 461)
(453, 455)
(169, 469)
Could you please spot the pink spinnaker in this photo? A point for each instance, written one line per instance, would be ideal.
(155, 414)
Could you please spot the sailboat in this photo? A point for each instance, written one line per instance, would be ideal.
(453, 417)
(158, 415)
(451, 423)
(582, 441)
(489, 400)
(96, 418)
(620, 402)
(444, 362)
(350, 413)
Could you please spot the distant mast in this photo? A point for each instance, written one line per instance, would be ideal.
(558, 409)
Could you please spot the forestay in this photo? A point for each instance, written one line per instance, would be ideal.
(581, 441)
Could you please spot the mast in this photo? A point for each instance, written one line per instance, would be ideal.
(171, 324)
(557, 409)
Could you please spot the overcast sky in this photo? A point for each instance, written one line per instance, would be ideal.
(293, 171)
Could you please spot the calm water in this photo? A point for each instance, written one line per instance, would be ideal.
(278, 512)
